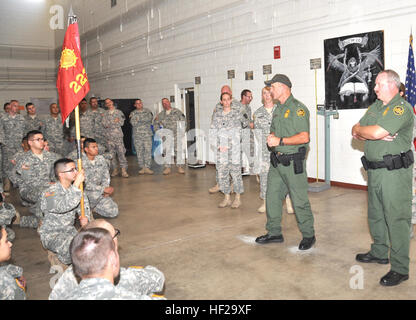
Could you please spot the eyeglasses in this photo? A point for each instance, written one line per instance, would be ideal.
(71, 170)
(117, 233)
(38, 139)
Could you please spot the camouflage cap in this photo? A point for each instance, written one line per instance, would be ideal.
(282, 78)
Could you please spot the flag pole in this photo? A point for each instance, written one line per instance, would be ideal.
(79, 161)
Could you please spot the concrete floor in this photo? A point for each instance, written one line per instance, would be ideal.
(205, 252)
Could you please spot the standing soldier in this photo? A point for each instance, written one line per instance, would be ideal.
(97, 181)
(12, 126)
(387, 129)
(97, 114)
(113, 120)
(86, 122)
(60, 204)
(170, 119)
(32, 121)
(54, 130)
(141, 120)
(288, 139)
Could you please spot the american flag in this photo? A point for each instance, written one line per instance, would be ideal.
(411, 76)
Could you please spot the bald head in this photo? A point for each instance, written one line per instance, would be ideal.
(226, 89)
(103, 224)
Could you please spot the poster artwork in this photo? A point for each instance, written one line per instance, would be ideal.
(351, 67)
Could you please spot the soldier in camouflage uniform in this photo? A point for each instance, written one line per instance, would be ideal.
(54, 130)
(97, 181)
(141, 121)
(12, 282)
(60, 204)
(262, 121)
(14, 177)
(35, 169)
(170, 119)
(226, 132)
(235, 105)
(32, 121)
(113, 120)
(97, 114)
(96, 261)
(86, 123)
(247, 144)
(8, 213)
(12, 126)
(141, 280)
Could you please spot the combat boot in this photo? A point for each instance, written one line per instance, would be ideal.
(237, 202)
(262, 208)
(180, 170)
(142, 171)
(17, 218)
(6, 186)
(226, 202)
(115, 172)
(166, 171)
(124, 173)
(214, 189)
(289, 207)
(148, 171)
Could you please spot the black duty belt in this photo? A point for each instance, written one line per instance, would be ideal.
(285, 159)
(391, 162)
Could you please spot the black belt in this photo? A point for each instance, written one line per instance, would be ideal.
(285, 159)
(391, 162)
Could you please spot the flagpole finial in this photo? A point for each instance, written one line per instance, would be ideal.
(72, 18)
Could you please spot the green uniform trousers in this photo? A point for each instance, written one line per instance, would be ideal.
(281, 181)
(390, 214)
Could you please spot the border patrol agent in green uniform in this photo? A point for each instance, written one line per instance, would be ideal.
(288, 140)
(387, 128)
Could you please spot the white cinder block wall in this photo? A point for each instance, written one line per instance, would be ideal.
(142, 48)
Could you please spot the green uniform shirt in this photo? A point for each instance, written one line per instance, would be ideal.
(395, 117)
(289, 119)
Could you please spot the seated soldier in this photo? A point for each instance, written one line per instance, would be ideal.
(12, 282)
(35, 171)
(96, 262)
(14, 178)
(60, 203)
(7, 214)
(101, 151)
(144, 281)
(97, 181)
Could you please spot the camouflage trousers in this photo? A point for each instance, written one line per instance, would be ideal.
(8, 153)
(58, 241)
(264, 171)
(31, 195)
(104, 206)
(226, 167)
(143, 146)
(118, 151)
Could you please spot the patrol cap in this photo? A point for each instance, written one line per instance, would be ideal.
(282, 78)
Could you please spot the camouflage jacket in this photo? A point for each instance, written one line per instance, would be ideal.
(7, 213)
(262, 121)
(54, 129)
(169, 121)
(13, 130)
(144, 281)
(97, 116)
(86, 125)
(141, 122)
(237, 106)
(10, 287)
(33, 123)
(97, 175)
(112, 123)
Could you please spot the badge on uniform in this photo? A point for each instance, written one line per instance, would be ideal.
(287, 113)
(300, 112)
(398, 110)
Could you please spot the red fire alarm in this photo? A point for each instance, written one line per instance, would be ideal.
(277, 52)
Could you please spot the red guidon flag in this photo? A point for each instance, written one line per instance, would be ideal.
(72, 82)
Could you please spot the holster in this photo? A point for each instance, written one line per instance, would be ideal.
(298, 160)
(273, 159)
(364, 162)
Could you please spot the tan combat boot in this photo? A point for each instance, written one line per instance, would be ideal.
(289, 207)
(142, 171)
(115, 172)
(226, 202)
(214, 189)
(166, 171)
(17, 220)
(124, 173)
(262, 208)
(148, 171)
(7, 185)
(180, 170)
(236, 202)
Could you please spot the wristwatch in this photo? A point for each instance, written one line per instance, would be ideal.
(281, 142)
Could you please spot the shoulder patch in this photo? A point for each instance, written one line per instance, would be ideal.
(300, 112)
(398, 110)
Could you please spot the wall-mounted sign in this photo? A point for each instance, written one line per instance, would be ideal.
(172, 98)
(231, 74)
(315, 63)
(276, 50)
(267, 69)
(249, 75)
(197, 80)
